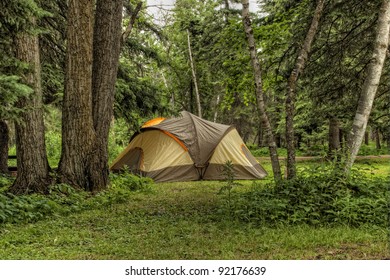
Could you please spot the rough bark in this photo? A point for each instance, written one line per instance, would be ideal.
(106, 50)
(4, 139)
(334, 137)
(370, 85)
(78, 136)
(291, 88)
(32, 164)
(194, 76)
(259, 91)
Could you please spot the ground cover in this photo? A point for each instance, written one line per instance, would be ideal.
(186, 221)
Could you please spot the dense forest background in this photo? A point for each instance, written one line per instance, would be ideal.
(78, 78)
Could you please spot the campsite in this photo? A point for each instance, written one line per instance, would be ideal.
(194, 130)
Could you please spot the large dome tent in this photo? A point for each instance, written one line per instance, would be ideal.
(187, 148)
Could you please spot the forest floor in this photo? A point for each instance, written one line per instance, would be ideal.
(183, 221)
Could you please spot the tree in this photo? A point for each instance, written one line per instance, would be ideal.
(4, 136)
(78, 135)
(106, 50)
(91, 70)
(334, 137)
(21, 95)
(11, 91)
(32, 163)
(193, 71)
(370, 86)
(291, 88)
(259, 91)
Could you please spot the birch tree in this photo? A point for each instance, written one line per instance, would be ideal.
(291, 88)
(367, 96)
(259, 91)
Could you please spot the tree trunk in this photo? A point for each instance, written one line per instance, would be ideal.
(33, 167)
(334, 138)
(260, 135)
(106, 49)
(79, 143)
(366, 138)
(388, 139)
(216, 107)
(259, 92)
(291, 89)
(377, 139)
(370, 85)
(4, 138)
(194, 76)
(341, 138)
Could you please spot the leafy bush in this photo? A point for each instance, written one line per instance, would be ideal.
(53, 147)
(64, 199)
(5, 182)
(264, 151)
(122, 187)
(15, 209)
(319, 195)
(313, 150)
(368, 150)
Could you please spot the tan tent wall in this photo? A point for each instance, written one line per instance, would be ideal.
(233, 148)
(163, 158)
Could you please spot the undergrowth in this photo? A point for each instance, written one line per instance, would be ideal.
(319, 195)
(64, 199)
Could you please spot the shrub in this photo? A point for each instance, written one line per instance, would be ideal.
(64, 199)
(5, 182)
(319, 195)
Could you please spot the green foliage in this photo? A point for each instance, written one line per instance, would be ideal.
(5, 181)
(64, 199)
(180, 221)
(319, 195)
(228, 173)
(11, 90)
(264, 151)
(16, 209)
(16, 17)
(53, 147)
(118, 139)
(369, 150)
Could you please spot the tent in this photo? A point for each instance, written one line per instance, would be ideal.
(187, 148)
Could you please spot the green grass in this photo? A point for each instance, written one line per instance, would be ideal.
(182, 221)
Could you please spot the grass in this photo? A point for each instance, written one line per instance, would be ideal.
(182, 221)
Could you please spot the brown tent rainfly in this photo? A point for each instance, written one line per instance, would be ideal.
(187, 148)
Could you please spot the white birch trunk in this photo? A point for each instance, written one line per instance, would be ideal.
(370, 85)
(291, 88)
(259, 92)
